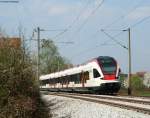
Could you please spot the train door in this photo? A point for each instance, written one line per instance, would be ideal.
(67, 81)
(84, 78)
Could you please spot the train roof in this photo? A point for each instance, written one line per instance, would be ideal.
(73, 70)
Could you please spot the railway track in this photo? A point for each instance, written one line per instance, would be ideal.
(131, 103)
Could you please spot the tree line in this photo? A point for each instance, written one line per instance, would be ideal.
(50, 58)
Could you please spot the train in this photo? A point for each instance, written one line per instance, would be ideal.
(99, 75)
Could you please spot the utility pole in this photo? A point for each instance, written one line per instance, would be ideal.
(129, 74)
(9, 1)
(38, 30)
(129, 61)
(38, 52)
(129, 55)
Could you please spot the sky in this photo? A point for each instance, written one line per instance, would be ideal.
(86, 23)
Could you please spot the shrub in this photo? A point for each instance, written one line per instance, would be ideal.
(19, 92)
(136, 83)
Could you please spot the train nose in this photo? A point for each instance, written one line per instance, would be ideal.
(110, 87)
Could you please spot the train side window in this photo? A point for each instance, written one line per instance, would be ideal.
(96, 73)
(77, 78)
(44, 82)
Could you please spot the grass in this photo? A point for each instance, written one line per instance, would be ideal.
(145, 93)
(140, 93)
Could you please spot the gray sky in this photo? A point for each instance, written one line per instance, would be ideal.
(84, 20)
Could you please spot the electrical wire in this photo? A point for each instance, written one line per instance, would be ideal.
(90, 15)
(102, 44)
(74, 21)
(123, 16)
(121, 31)
(116, 41)
(139, 22)
(88, 50)
(80, 14)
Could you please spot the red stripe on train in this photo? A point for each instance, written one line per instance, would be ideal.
(109, 77)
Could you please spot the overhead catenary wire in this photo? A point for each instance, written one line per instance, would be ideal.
(121, 31)
(33, 22)
(89, 49)
(54, 30)
(90, 15)
(56, 37)
(105, 43)
(59, 34)
(119, 18)
(86, 20)
(82, 25)
(74, 21)
(131, 25)
(102, 44)
(116, 41)
(139, 22)
(123, 16)
(79, 15)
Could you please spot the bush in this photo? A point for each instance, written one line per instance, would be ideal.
(136, 83)
(122, 79)
(19, 92)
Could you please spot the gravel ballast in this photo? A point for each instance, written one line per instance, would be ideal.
(73, 108)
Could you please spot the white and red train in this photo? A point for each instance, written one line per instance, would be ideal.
(100, 75)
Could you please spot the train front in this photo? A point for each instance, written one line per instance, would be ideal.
(110, 70)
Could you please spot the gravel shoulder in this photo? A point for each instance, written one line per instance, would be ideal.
(73, 108)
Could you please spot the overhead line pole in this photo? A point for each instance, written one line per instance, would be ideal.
(38, 51)
(8, 1)
(129, 74)
(38, 30)
(129, 61)
(129, 56)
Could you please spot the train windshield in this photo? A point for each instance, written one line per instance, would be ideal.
(107, 64)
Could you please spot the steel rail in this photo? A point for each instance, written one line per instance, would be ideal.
(103, 100)
(119, 98)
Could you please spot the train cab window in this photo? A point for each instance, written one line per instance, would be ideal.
(96, 73)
